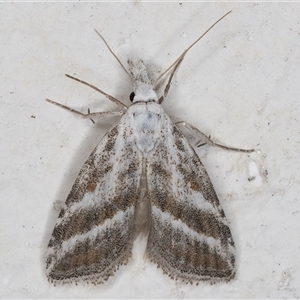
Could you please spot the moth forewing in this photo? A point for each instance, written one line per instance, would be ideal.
(190, 238)
(94, 231)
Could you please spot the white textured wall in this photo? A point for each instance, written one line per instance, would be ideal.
(240, 84)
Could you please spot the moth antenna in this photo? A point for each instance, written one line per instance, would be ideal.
(186, 50)
(114, 55)
(167, 88)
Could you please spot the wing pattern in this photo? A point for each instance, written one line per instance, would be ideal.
(189, 238)
(94, 231)
(143, 177)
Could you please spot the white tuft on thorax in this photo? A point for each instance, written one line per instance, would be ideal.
(143, 86)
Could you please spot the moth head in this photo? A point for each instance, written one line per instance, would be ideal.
(143, 85)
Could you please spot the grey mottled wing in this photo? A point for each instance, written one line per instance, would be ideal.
(94, 231)
(189, 237)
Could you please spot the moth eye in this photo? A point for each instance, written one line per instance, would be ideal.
(131, 96)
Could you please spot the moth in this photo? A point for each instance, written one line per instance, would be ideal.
(143, 178)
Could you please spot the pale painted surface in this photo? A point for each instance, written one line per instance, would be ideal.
(240, 84)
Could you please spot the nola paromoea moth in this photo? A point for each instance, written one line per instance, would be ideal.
(143, 177)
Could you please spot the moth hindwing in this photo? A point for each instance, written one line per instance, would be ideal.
(143, 177)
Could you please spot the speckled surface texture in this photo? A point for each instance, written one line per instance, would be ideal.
(240, 85)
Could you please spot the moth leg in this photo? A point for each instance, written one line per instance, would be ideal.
(208, 140)
(111, 98)
(89, 114)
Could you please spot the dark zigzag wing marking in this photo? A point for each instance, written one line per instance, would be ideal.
(94, 231)
(189, 238)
